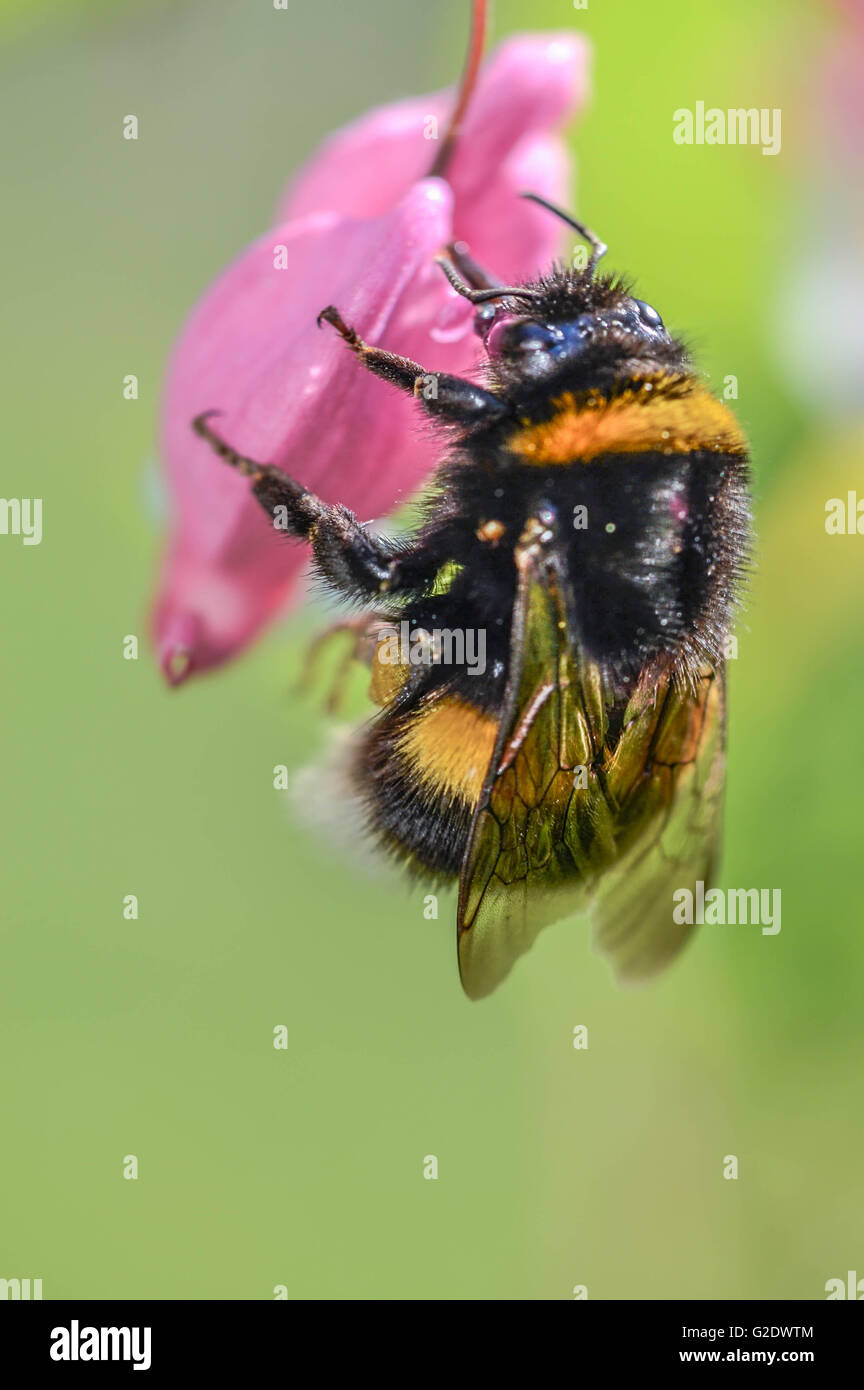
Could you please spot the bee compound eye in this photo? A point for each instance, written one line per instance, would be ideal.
(648, 314)
(512, 335)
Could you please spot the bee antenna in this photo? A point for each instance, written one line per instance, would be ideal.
(482, 296)
(598, 247)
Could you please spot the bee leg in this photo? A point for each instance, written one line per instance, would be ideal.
(351, 560)
(446, 397)
(361, 648)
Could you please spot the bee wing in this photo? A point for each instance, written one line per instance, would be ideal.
(675, 806)
(570, 811)
(534, 834)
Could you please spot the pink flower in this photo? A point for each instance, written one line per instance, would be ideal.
(826, 292)
(359, 227)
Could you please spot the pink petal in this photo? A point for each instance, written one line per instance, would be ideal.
(529, 87)
(527, 90)
(514, 238)
(361, 227)
(294, 396)
(389, 140)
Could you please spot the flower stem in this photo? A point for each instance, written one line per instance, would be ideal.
(479, 17)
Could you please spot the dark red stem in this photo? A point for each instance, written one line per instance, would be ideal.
(446, 150)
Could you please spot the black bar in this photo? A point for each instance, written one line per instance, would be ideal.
(221, 1338)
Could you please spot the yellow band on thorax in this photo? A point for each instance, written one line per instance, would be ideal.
(646, 417)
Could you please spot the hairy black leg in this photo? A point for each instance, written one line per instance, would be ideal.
(300, 510)
(446, 397)
(356, 563)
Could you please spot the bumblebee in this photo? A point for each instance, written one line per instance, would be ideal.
(590, 517)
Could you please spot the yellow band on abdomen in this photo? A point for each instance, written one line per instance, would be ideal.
(449, 745)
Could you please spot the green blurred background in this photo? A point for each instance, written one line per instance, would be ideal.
(154, 1037)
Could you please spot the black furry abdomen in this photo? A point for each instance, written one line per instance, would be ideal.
(656, 568)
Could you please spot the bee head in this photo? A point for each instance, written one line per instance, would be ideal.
(569, 326)
(569, 321)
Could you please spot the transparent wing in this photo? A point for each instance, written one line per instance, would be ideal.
(571, 812)
(668, 825)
